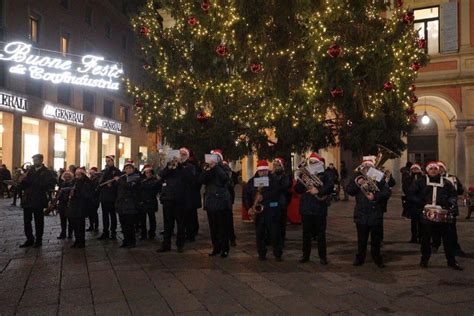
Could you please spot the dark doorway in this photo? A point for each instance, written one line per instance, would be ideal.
(423, 143)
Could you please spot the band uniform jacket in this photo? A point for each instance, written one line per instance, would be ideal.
(315, 204)
(35, 186)
(178, 184)
(149, 188)
(271, 197)
(217, 192)
(108, 194)
(128, 195)
(80, 198)
(368, 212)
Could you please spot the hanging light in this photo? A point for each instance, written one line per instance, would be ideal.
(425, 119)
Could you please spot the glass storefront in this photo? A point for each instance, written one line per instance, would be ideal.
(89, 155)
(125, 150)
(108, 146)
(30, 139)
(142, 155)
(60, 146)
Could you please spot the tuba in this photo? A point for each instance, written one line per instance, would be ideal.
(308, 180)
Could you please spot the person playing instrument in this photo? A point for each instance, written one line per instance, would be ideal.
(410, 210)
(108, 195)
(128, 203)
(285, 181)
(470, 201)
(217, 204)
(314, 210)
(368, 212)
(80, 200)
(62, 203)
(93, 211)
(436, 242)
(17, 178)
(150, 186)
(35, 185)
(269, 218)
(195, 203)
(178, 178)
(434, 192)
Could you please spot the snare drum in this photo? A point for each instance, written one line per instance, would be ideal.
(436, 214)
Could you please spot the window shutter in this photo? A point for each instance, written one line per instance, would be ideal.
(449, 27)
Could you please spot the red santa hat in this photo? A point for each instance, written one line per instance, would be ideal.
(262, 165)
(316, 157)
(441, 164)
(110, 157)
(368, 161)
(129, 162)
(431, 165)
(415, 166)
(147, 165)
(148, 169)
(94, 169)
(217, 152)
(471, 189)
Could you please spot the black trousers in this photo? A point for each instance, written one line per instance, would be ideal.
(363, 232)
(314, 226)
(415, 229)
(66, 224)
(174, 211)
(128, 221)
(109, 218)
(230, 225)
(436, 236)
(266, 224)
(445, 231)
(192, 223)
(79, 228)
(16, 194)
(28, 214)
(218, 227)
(93, 217)
(151, 219)
(283, 221)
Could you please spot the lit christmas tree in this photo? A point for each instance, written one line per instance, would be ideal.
(278, 76)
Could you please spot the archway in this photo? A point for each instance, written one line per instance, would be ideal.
(423, 143)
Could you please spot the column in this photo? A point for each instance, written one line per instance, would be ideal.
(465, 24)
(98, 148)
(17, 140)
(73, 148)
(46, 145)
(460, 152)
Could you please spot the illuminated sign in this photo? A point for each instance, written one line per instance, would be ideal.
(13, 102)
(62, 114)
(108, 125)
(89, 70)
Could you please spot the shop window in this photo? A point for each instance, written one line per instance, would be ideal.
(124, 113)
(64, 4)
(88, 101)
(109, 109)
(108, 29)
(34, 87)
(64, 95)
(64, 43)
(34, 28)
(88, 16)
(427, 26)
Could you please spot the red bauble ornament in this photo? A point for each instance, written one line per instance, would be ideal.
(399, 3)
(222, 50)
(415, 66)
(256, 68)
(409, 17)
(334, 50)
(144, 31)
(205, 5)
(421, 43)
(202, 117)
(192, 20)
(414, 119)
(412, 88)
(388, 86)
(138, 103)
(414, 99)
(337, 92)
(410, 111)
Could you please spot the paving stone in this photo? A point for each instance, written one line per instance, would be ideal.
(73, 310)
(114, 308)
(180, 303)
(39, 297)
(79, 297)
(50, 310)
(75, 281)
(155, 306)
(107, 294)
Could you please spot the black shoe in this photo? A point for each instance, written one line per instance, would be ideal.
(180, 249)
(123, 245)
(74, 245)
(455, 266)
(27, 243)
(424, 264)
(61, 236)
(113, 236)
(80, 245)
(224, 254)
(323, 261)
(163, 249)
(69, 236)
(143, 238)
(303, 259)
(214, 253)
(380, 264)
(13, 204)
(162, 232)
(89, 229)
(38, 244)
(434, 249)
(131, 245)
(104, 236)
(358, 263)
(262, 258)
(191, 239)
(459, 253)
(151, 236)
(279, 259)
(233, 243)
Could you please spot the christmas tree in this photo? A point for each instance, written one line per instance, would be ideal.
(278, 76)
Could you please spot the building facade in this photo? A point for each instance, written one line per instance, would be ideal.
(70, 121)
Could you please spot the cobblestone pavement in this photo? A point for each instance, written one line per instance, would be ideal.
(105, 280)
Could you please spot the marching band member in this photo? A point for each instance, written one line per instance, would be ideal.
(80, 199)
(434, 192)
(178, 177)
(150, 186)
(460, 191)
(285, 181)
(93, 214)
(108, 195)
(469, 201)
(313, 210)
(195, 203)
(368, 212)
(35, 185)
(217, 203)
(412, 212)
(264, 201)
(128, 202)
(63, 201)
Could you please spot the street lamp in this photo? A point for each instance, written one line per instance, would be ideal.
(425, 119)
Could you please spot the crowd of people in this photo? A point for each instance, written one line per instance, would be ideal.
(430, 201)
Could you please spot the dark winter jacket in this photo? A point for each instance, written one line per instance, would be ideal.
(217, 196)
(368, 212)
(108, 193)
(285, 182)
(231, 183)
(332, 174)
(315, 204)
(80, 198)
(420, 194)
(149, 188)
(63, 195)
(128, 195)
(410, 208)
(95, 180)
(456, 183)
(271, 198)
(178, 184)
(195, 194)
(36, 186)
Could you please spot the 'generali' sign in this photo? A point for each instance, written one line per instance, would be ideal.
(13, 102)
(108, 125)
(89, 70)
(62, 114)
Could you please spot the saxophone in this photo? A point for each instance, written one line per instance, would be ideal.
(257, 206)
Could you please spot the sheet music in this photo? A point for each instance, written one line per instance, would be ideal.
(261, 182)
(375, 174)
